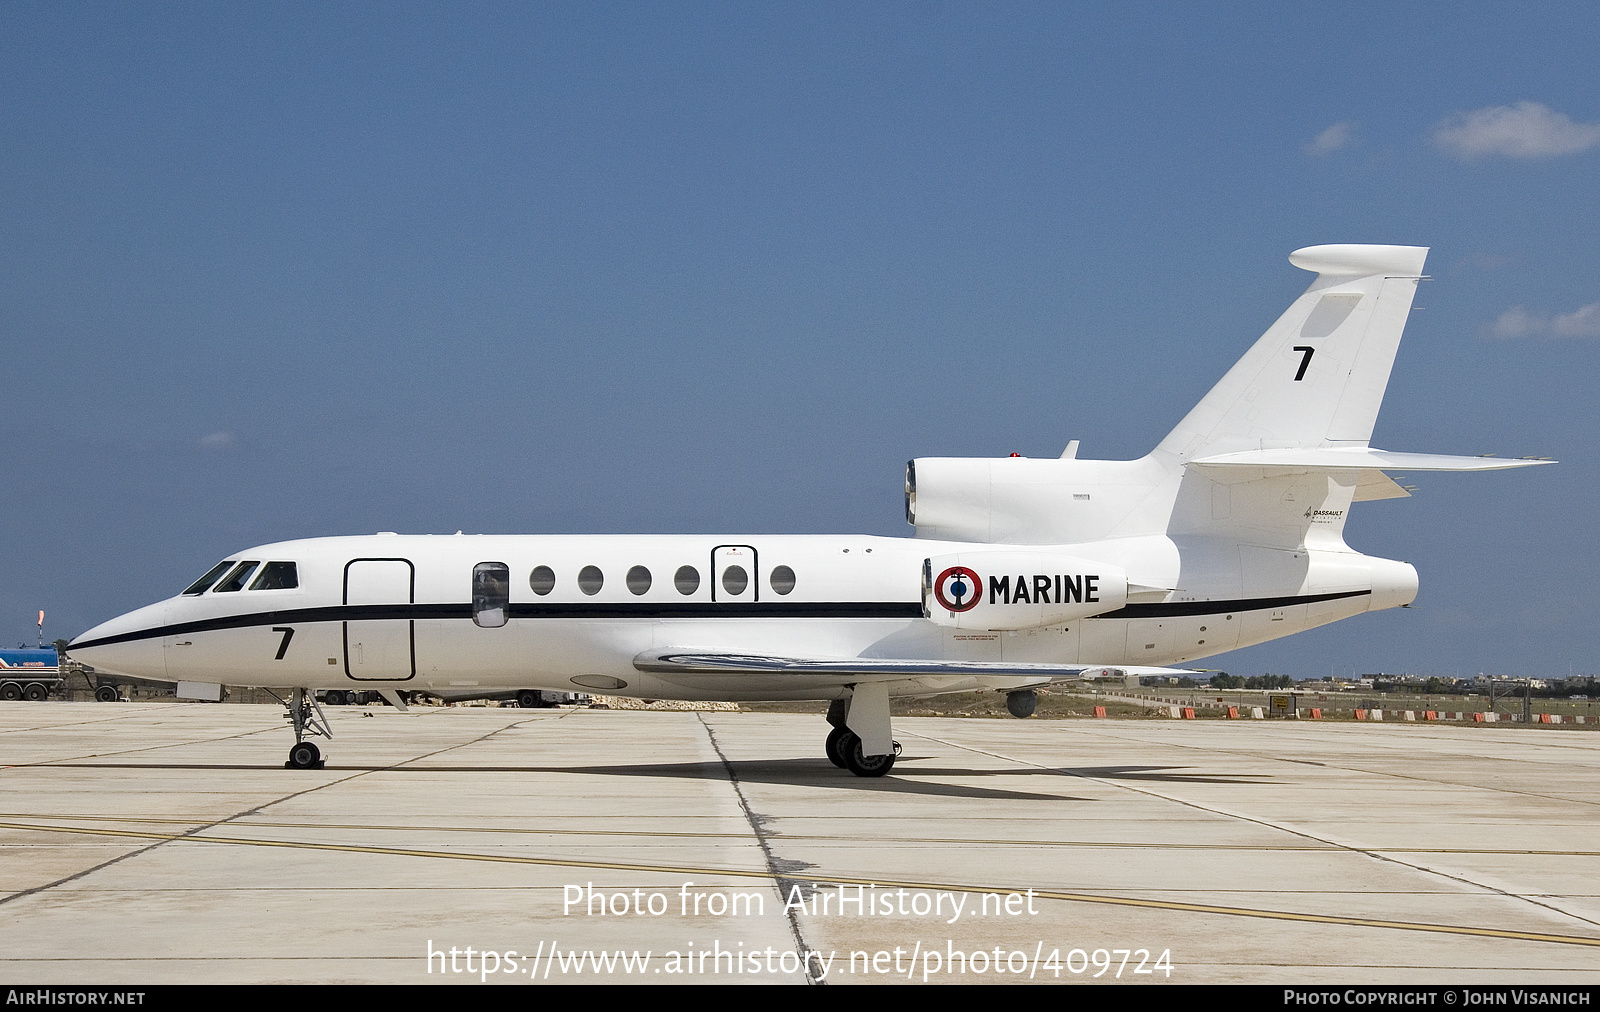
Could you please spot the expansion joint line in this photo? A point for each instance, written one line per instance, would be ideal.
(783, 883)
(1279, 827)
(186, 834)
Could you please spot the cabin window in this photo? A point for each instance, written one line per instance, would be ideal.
(687, 580)
(235, 580)
(638, 580)
(590, 580)
(491, 594)
(277, 576)
(782, 579)
(542, 580)
(199, 586)
(735, 580)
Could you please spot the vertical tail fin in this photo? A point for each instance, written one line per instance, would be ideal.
(1316, 378)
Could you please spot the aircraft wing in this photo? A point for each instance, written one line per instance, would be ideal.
(879, 669)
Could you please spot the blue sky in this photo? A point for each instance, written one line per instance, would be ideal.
(273, 271)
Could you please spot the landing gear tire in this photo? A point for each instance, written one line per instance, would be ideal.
(834, 746)
(107, 694)
(305, 756)
(528, 699)
(1021, 704)
(865, 765)
(335, 697)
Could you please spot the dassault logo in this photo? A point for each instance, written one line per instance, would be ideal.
(1315, 515)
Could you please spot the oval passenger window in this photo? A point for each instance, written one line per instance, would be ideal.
(590, 580)
(638, 580)
(735, 580)
(542, 580)
(783, 579)
(686, 579)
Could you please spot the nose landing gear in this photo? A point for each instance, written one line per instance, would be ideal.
(308, 719)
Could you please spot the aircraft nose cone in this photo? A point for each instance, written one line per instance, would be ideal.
(129, 644)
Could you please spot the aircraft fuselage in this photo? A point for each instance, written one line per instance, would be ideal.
(575, 613)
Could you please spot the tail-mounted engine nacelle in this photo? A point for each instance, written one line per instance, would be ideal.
(1018, 590)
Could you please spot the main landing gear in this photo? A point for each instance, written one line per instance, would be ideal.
(308, 720)
(844, 746)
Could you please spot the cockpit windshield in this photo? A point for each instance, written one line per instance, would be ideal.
(277, 576)
(235, 580)
(199, 586)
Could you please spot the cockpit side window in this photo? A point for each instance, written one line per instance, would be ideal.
(491, 594)
(235, 580)
(199, 586)
(277, 576)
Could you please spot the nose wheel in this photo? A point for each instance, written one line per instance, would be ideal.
(307, 719)
(305, 756)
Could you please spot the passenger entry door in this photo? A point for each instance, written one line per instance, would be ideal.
(380, 636)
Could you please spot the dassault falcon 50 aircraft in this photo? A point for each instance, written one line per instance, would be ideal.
(1023, 572)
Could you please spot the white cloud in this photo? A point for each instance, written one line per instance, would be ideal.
(218, 441)
(1340, 135)
(1520, 321)
(1524, 130)
(1583, 323)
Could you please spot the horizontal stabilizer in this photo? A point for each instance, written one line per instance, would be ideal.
(1340, 458)
(854, 669)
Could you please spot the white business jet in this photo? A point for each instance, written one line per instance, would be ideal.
(1022, 572)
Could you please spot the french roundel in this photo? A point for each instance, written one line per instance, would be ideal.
(958, 589)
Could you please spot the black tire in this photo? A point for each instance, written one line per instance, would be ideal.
(35, 692)
(1022, 704)
(10, 690)
(107, 694)
(864, 765)
(530, 699)
(305, 756)
(835, 752)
